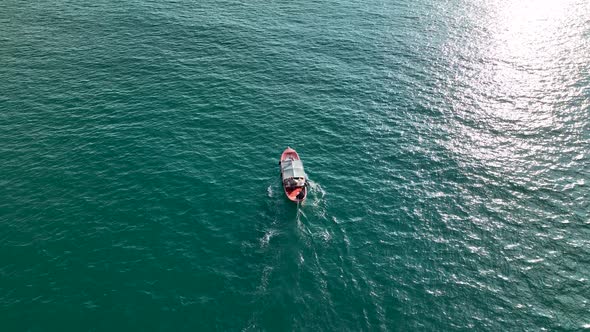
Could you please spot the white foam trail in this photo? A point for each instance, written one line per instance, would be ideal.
(326, 235)
(269, 190)
(317, 189)
(267, 236)
(316, 199)
(266, 272)
(300, 225)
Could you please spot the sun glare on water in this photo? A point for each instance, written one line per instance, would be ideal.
(526, 25)
(522, 63)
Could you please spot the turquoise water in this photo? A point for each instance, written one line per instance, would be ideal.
(446, 142)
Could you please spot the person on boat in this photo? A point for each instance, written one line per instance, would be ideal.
(301, 194)
(293, 183)
(299, 182)
(290, 183)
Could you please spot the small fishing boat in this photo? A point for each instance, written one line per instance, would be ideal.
(293, 176)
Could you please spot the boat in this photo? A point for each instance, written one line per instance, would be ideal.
(293, 176)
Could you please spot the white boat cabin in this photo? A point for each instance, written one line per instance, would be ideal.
(293, 174)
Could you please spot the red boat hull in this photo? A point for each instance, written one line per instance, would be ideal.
(293, 194)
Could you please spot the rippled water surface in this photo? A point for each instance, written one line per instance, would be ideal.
(447, 143)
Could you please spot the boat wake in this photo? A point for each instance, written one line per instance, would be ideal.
(308, 218)
(311, 216)
(300, 217)
(269, 191)
(316, 199)
(267, 236)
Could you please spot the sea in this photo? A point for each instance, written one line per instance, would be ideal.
(446, 145)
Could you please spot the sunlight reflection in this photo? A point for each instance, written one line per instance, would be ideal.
(527, 51)
(524, 25)
(513, 76)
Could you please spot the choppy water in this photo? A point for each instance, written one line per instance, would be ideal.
(447, 143)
